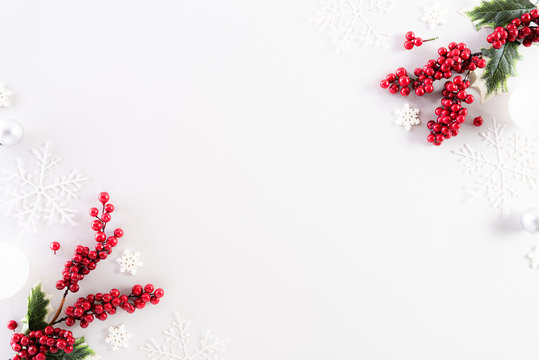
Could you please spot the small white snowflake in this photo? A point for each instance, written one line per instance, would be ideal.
(350, 22)
(505, 162)
(434, 15)
(5, 96)
(179, 344)
(534, 258)
(129, 261)
(34, 196)
(408, 116)
(118, 337)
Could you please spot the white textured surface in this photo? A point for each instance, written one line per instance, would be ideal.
(264, 182)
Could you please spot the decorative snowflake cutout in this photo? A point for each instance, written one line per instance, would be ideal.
(5, 96)
(34, 196)
(118, 337)
(129, 261)
(179, 344)
(408, 116)
(349, 22)
(506, 162)
(434, 15)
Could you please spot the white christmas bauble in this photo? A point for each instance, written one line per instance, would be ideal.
(14, 269)
(519, 104)
(11, 132)
(530, 220)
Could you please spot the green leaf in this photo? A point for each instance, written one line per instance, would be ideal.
(498, 12)
(81, 351)
(500, 66)
(39, 309)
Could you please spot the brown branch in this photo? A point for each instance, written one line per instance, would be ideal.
(59, 310)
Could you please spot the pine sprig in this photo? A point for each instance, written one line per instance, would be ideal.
(501, 65)
(39, 309)
(81, 351)
(498, 12)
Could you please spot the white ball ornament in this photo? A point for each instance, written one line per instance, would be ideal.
(11, 132)
(530, 220)
(14, 269)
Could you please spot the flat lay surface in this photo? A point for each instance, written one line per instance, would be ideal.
(262, 179)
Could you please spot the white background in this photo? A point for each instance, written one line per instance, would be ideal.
(263, 180)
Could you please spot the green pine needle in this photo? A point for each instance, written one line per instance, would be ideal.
(38, 305)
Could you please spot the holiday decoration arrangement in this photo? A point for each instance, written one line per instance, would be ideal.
(44, 334)
(514, 24)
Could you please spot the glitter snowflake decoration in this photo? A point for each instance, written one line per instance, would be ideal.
(5, 96)
(434, 15)
(506, 162)
(118, 337)
(129, 262)
(408, 116)
(34, 197)
(179, 344)
(350, 22)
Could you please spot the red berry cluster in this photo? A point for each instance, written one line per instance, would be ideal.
(451, 115)
(85, 260)
(456, 58)
(37, 344)
(523, 29)
(100, 306)
(412, 40)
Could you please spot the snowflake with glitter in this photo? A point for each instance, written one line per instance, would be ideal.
(408, 117)
(129, 261)
(179, 345)
(350, 23)
(34, 196)
(507, 162)
(434, 15)
(5, 96)
(118, 337)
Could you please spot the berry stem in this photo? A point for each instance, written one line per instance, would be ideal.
(59, 310)
(431, 39)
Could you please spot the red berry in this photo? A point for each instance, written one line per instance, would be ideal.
(405, 91)
(159, 293)
(149, 288)
(410, 35)
(60, 284)
(118, 233)
(384, 84)
(408, 45)
(12, 325)
(103, 197)
(400, 72)
(97, 225)
(100, 237)
(106, 217)
(109, 208)
(55, 246)
(137, 290)
(418, 41)
(94, 212)
(74, 288)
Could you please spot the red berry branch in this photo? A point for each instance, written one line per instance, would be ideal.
(457, 58)
(37, 344)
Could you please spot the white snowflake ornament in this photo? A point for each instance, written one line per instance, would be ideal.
(118, 337)
(5, 96)
(434, 15)
(505, 164)
(534, 258)
(129, 262)
(34, 197)
(179, 344)
(350, 23)
(408, 116)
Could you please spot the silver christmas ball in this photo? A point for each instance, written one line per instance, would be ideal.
(530, 220)
(11, 132)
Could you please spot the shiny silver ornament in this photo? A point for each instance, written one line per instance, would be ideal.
(11, 132)
(530, 220)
